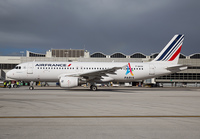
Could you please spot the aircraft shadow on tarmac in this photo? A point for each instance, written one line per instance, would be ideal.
(122, 90)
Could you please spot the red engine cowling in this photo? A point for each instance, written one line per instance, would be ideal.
(69, 82)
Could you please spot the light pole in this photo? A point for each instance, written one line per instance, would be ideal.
(66, 53)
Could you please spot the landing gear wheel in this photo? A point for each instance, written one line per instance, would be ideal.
(93, 88)
(31, 88)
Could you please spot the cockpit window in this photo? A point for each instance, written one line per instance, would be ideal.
(18, 67)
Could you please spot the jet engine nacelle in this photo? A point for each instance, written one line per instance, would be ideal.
(69, 82)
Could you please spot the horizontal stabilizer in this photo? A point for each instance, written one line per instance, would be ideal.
(177, 67)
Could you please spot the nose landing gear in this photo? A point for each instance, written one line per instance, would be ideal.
(31, 87)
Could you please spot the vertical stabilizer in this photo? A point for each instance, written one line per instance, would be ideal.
(171, 51)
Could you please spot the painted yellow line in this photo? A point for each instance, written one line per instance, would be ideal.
(135, 116)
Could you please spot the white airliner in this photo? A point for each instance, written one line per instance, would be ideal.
(72, 74)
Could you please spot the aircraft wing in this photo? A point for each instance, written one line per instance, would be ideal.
(177, 67)
(100, 73)
(94, 74)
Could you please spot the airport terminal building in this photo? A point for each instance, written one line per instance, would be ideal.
(189, 77)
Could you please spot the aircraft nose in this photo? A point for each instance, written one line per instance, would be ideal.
(9, 74)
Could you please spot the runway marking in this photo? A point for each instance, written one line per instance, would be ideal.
(135, 116)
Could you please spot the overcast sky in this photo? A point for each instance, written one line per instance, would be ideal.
(107, 26)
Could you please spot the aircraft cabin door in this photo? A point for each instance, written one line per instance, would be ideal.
(30, 68)
(151, 69)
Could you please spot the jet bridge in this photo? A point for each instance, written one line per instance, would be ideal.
(2, 75)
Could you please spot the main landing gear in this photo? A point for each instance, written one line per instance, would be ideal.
(93, 88)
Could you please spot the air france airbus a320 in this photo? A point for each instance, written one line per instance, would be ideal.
(72, 74)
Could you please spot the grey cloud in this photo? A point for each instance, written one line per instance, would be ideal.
(107, 26)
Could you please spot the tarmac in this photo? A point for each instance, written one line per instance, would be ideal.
(109, 113)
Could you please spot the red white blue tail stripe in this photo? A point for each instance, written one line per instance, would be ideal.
(171, 50)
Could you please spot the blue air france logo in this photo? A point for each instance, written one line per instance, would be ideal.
(51, 65)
